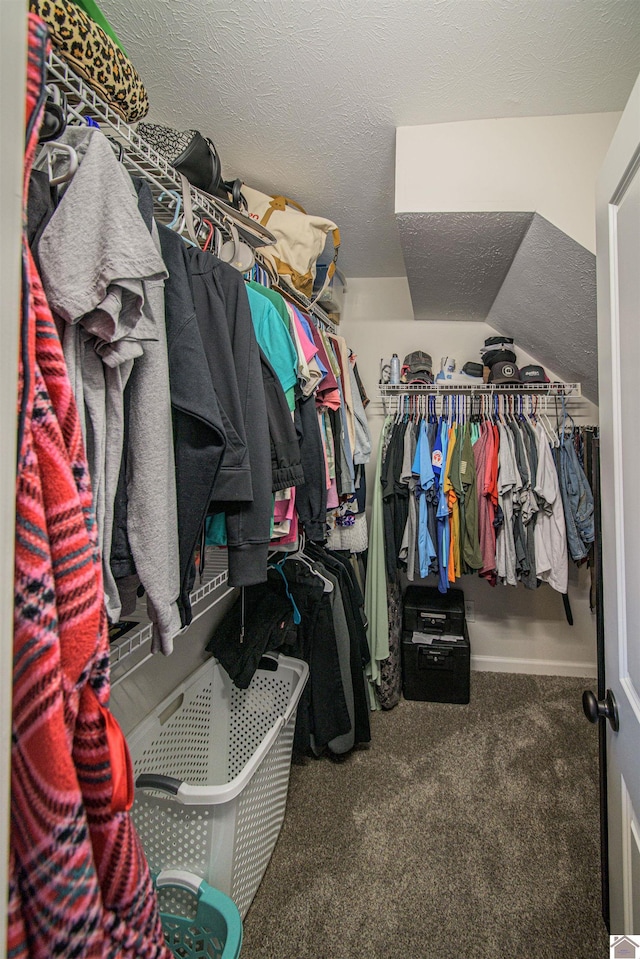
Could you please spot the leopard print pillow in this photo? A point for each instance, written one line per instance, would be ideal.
(95, 57)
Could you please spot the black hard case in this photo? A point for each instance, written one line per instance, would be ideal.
(438, 672)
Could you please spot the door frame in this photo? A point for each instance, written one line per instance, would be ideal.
(621, 164)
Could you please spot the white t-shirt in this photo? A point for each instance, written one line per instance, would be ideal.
(509, 485)
(550, 532)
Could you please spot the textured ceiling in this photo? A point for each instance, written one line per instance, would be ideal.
(547, 303)
(303, 97)
(456, 262)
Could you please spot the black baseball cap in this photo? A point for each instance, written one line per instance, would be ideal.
(498, 356)
(533, 373)
(503, 373)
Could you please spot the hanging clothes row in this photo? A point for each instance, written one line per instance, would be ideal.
(311, 607)
(200, 395)
(504, 495)
(489, 486)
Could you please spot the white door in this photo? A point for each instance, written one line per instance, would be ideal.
(618, 249)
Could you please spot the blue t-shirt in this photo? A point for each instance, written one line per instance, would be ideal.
(422, 468)
(306, 327)
(442, 514)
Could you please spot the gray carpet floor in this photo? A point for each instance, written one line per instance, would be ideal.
(466, 831)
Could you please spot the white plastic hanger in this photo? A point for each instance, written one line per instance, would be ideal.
(236, 252)
(327, 585)
(551, 434)
(46, 157)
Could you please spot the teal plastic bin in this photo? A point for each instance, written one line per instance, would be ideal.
(199, 922)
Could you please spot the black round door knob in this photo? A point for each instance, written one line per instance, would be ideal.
(595, 709)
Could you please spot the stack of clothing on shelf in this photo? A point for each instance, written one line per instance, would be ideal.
(205, 400)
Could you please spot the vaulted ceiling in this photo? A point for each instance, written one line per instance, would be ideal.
(303, 97)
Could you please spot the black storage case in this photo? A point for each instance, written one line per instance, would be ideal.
(436, 672)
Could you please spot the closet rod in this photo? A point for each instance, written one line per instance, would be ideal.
(307, 305)
(392, 395)
(434, 389)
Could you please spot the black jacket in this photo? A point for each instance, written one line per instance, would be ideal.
(243, 486)
(268, 625)
(198, 434)
(286, 468)
(311, 498)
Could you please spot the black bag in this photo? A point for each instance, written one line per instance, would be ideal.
(196, 158)
(189, 152)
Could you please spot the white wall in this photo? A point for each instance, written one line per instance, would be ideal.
(546, 165)
(516, 629)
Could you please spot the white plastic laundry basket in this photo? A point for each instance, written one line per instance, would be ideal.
(215, 762)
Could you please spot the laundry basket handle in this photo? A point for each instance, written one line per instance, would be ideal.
(167, 784)
(179, 877)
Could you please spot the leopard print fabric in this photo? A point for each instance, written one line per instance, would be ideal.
(94, 57)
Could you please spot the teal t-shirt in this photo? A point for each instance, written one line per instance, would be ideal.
(276, 299)
(275, 341)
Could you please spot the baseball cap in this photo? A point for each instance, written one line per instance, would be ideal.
(472, 369)
(498, 356)
(504, 372)
(418, 362)
(533, 373)
(417, 366)
(493, 341)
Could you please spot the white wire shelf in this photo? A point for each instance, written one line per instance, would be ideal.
(314, 308)
(467, 398)
(138, 156)
(212, 587)
(435, 389)
(142, 160)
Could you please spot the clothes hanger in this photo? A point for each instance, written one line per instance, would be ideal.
(236, 252)
(180, 226)
(178, 206)
(49, 149)
(568, 423)
(551, 434)
(189, 219)
(327, 585)
(297, 618)
(54, 119)
(210, 235)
